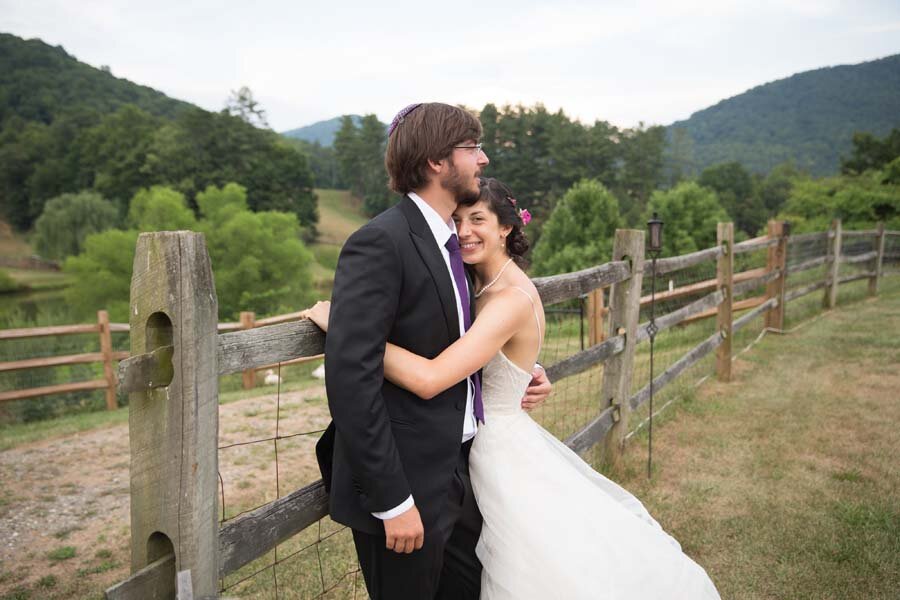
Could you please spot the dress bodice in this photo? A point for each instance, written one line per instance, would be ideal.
(503, 384)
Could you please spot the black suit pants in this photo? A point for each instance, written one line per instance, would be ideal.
(446, 567)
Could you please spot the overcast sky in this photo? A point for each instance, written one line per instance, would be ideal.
(654, 61)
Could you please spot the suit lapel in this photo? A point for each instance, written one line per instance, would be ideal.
(431, 255)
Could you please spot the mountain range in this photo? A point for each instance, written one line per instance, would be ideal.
(808, 118)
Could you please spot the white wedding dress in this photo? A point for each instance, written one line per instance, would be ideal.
(554, 527)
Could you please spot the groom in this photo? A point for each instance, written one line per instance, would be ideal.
(396, 465)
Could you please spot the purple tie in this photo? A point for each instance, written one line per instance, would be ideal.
(459, 277)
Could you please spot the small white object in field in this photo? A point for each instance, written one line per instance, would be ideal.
(319, 373)
(272, 378)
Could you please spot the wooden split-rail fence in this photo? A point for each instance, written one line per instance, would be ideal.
(179, 548)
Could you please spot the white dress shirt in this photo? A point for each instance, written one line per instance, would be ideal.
(441, 230)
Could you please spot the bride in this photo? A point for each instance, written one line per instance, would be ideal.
(553, 527)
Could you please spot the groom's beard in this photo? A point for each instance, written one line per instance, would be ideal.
(460, 187)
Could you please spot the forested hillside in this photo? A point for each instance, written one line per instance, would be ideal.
(808, 118)
(67, 127)
(39, 81)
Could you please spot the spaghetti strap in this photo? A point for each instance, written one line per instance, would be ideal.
(536, 318)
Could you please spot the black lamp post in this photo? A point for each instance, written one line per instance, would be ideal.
(654, 248)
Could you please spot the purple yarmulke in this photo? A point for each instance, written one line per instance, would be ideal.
(402, 115)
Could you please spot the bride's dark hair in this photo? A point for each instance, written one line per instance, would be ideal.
(502, 203)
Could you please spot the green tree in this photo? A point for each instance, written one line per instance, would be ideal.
(259, 260)
(689, 213)
(735, 188)
(580, 231)
(858, 201)
(360, 154)
(642, 152)
(870, 152)
(160, 209)
(775, 188)
(68, 219)
(102, 273)
(243, 105)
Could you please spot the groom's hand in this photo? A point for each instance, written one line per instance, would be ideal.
(405, 532)
(538, 390)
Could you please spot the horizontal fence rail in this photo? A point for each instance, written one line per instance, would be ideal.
(251, 344)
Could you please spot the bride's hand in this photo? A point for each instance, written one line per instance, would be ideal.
(318, 314)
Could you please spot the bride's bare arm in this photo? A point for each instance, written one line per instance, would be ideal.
(496, 323)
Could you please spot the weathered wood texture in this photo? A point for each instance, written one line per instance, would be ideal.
(757, 243)
(859, 233)
(248, 376)
(29, 332)
(701, 286)
(858, 258)
(691, 357)
(594, 432)
(725, 276)
(878, 260)
(55, 361)
(624, 302)
(747, 285)
(834, 259)
(557, 288)
(802, 291)
(184, 588)
(736, 305)
(62, 388)
(268, 345)
(587, 358)
(808, 237)
(156, 581)
(173, 429)
(596, 311)
(676, 263)
(106, 352)
(856, 277)
(746, 318)
(776, 260)
(295, 361)
(683, 314)
(147, 371)
(252, 534)
(285, 318)
(807, 264)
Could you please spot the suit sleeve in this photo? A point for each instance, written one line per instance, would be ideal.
(364, 304)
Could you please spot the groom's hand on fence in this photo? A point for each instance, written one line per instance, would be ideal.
(538, 390)
(405, 533)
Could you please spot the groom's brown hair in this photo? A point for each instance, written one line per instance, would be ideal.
(429, 132)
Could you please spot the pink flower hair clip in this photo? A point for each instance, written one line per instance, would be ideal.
(522, 212)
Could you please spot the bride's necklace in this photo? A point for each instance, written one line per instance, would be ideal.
(494, 280)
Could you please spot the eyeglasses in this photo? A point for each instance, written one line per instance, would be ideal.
(475, 149)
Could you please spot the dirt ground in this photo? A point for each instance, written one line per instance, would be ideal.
(64, 502)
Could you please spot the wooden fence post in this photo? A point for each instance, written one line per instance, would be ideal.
(879, 248)
(725, 277)
(776, 259)
(106, 349)
(834, 252)
(248, 321)
(624, 311)
(596, 311)
(173, 423)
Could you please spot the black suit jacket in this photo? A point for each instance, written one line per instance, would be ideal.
(385, 443)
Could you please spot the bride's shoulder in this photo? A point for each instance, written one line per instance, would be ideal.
(517, 298)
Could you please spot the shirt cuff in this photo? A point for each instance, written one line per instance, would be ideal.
(395, 512)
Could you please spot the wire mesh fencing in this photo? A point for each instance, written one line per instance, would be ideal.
(267, 450)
